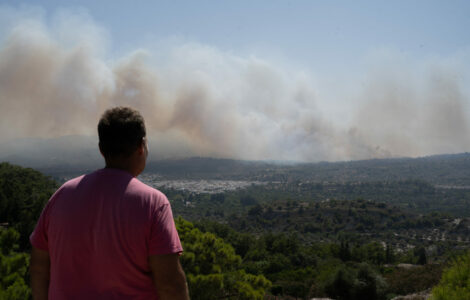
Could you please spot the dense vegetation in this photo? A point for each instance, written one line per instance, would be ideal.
(213, 269)
(23, 193)
(412, 195)
(341, 270)
(455, 282)
(13, 267)
(284, 239)
(328, 220)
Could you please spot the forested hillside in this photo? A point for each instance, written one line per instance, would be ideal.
(422, 185)
(441, 170)
(278, 240)
(436, 170)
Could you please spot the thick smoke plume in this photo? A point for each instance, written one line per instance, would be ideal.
(198, 100)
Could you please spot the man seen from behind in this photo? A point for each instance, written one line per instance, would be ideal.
(106, 235)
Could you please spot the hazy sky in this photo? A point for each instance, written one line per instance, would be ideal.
(296, 80)
(318, 35)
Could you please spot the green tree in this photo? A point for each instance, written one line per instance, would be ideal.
(13, 267)
(420, 253)
(23, 193)
(455, 281)
(341, 285)
(214, 269)
(369, 284)
(349, 283)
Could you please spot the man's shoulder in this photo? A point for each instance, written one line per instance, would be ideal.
(146, 195)
(73, 181)
(146, 189)
(82, 180)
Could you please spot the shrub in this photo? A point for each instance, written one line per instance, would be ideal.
(455, 282)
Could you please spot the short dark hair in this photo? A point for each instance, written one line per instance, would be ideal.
(120, 130)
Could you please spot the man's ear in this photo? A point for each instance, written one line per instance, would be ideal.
(101, 150)
(142, 147)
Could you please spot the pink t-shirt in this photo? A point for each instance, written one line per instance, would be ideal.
(99, 230)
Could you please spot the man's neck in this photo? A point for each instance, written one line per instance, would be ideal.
(121, 165)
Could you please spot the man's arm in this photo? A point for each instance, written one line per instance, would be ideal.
(169, 277)
(40, 273)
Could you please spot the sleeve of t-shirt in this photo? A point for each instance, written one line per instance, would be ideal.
(164, 238)
(39, 236)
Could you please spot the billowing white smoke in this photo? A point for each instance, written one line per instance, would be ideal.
(56, 80)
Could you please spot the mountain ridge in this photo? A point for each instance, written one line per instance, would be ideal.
(438, 170)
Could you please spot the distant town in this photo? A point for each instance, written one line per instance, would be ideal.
(207, 186)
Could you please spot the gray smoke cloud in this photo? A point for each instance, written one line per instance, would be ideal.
(56, 80)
